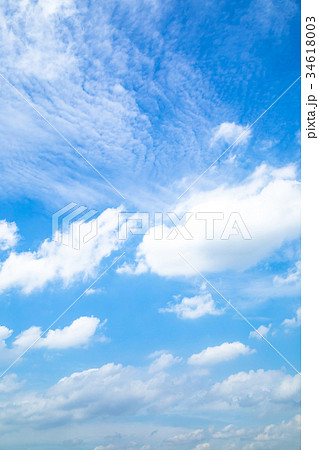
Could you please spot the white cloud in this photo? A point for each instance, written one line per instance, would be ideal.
(193, 307)
(228, 132)
(274, 436)
(220, 353)
(92, 291)
(163, 361)
(256, 388)
(5, 333)
(116, 390)
(202, 446)
(294, 322)
(34, 39)
(27, 337)
(57, 262)
(187, 438)
(8, 234)
(106, 447)
(78, 333)
(263, 330)
(9, 383)
(293, 276)
(268, 204)
(287, 433)
(229, 432)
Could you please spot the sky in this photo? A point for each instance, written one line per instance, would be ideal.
(177, 324)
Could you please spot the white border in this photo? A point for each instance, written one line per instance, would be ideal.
(309, 246)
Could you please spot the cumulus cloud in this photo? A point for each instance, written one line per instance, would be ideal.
(247, 389)
(163, 361)
(229, 431)
(263, 330)
(8, 234)
(53, 261)
(220, 353)
(287, 432)
(193, 307)
(230, 227)
(202, 446)
(294, 322)
(10, 383)
(5, 333)
(274, 436)
(79, 333)
(230, 133)
(120, 391)
(187, 438)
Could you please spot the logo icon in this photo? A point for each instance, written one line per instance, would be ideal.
(74, 225)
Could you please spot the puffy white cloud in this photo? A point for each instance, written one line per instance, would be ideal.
(193, 307)
(8, 234)
(251, 221)
(294, 321)
(255, 388)
(187, 438)
(163, 361)
(202, 446)
(4, 333)
(27, 337)
(9, 383)
(220, 353)
(54, 261)
(78, 333)
(120, 391)
(287, 433)
(275, 436)
(229, 431)
(229, 132)
(263, 330)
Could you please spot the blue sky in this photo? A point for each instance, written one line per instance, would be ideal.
(151, 93)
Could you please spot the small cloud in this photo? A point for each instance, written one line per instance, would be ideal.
(8, 234)
(78, 333)
(224, 352)
(292, 276)
(92, 291)
(193, 307)
(187, 438)
(163, 361)
(5, 333)
(262, 331)
(72, 442)
(230, 133)
(131, 269)
(293, 322)
(202, 446)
